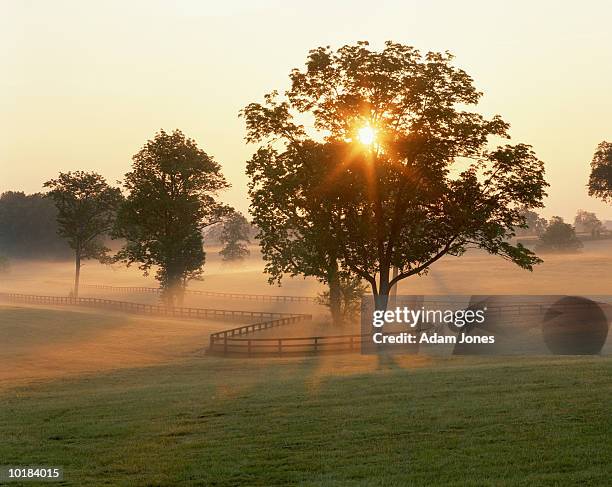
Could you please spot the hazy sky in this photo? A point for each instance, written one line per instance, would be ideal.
(83, 84)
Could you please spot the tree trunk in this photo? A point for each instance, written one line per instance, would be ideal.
(335, 298)
(179, 295)
(174, 291)
(77, 272)
(393, 295)
(381, 299)
(167, 297)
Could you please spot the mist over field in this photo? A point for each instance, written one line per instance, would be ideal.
(476, 272)
(44, 342)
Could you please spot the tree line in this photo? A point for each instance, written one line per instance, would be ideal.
(28, 227)
(392, 173)
(558, 236)
(165, 202)
(158, 215)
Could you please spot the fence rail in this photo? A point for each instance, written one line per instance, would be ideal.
(270, 319)
(231, 342)
(226, 343)
(152, 309)
(249, 297)
(258, 347)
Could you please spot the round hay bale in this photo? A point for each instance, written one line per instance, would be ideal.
(575, 326)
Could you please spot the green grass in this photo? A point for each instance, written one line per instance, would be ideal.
(228, 422)
(23, 328)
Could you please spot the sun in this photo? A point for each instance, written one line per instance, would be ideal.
(366, 135)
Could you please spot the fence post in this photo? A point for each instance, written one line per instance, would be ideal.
(225, 344)
(249, 342)
(280, 347)
(316, 344)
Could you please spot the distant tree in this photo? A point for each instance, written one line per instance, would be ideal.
(235, 238)
(586, 221)
(212, 234)
(559, 237)
(171, 198)
(600, 180)
(395, 172)
(534, 224)
(28, 227)
(86, 208)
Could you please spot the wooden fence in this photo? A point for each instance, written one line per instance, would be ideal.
(269, 319)
(152, 309)
(222, 344)
(248, 297)
(231, 342)
(227, 342)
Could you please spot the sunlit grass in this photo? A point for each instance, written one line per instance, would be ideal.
(321, 421)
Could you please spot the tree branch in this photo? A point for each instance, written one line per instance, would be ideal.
(423, 266)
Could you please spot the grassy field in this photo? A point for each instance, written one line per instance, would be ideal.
(132, 400)
(331, 421)
(45, 343)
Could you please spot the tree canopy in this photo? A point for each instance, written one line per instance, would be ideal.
(600, 180)
(294, 218)
(587, 221)
(534, 224)
(395, 170)
(172, 191)
(559, 237)
(86, 207)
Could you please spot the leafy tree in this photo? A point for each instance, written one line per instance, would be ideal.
(235, 238)
(352, 290)
(28, 227)
(292, 217)
(395, 172)
(171, 197)
(587, 221)
(213, 234)
(559, 237)
(600, 180)
(86, 208)
(534, 224)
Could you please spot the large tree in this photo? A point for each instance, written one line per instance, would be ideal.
(86, 208)
(292, 218)
(397, 167)
(172, 191)
(600, 180)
